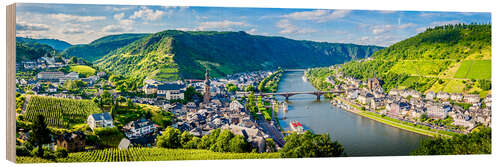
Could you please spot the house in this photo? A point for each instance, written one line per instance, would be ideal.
(396, 109)
(438, 111)
(443, 95)
(365, 98)
(456, 96)
(70, 76)
(139, 128)
(377, 103)
(52, 88)
(394, 92)
(236, 106)
(415, 94)
(374, 83)
(462, 120)
(430, 95)
(150, 89)
(330, 80)
(100, 120)
(50, 76)
(404, 92)
(171, 91)
(487, 100)
(72, 141)
(352, 93)
(472, 98)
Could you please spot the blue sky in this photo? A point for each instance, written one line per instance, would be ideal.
(79, 24)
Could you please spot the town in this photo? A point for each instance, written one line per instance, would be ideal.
(213, 104)
(455, 112)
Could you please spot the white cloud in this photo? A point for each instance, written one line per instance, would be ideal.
(113, 28)
(147, 14)
(67, 17)
(22, 26)
(289, 28)
(119, 16)
(378, 29)
(252, 31)
(318, 15)
(226, 24)
(73, 31)
(117, 9)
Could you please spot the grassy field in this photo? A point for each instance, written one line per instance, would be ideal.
(83, 69)
(148, 154)
(474, 69)
(421, 67)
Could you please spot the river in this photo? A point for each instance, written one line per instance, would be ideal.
(360, 136)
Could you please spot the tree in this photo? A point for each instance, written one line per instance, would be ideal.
(238, 144)
(41, 134)
(190, 93)
(270, 145)
(310, 145)
(222, 143)
(185, 138)
(169, 139)
(477, 142)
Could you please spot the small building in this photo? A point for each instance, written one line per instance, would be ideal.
(397, 109)
(236, 106)
(365, 98)
(430, 95)
(394, 92)
(171, 91)
(415, 94)
(50, 76)
(139, 128)
(377, 103)
(438, 111)
(443, 95)
(472, 98)
(100, 120)
(73, 141)
(150, 89)
(456, 96)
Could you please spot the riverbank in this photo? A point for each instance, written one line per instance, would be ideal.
(380, 119)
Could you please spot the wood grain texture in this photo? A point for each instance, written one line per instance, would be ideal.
(11, 82)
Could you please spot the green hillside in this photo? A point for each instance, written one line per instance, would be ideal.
(100, 47)
(451, 58)
(171, 55)
(31, 51)
(54, 43)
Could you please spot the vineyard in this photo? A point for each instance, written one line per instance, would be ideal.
(60, 112)
(153, 154)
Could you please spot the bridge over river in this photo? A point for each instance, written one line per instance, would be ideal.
(288, 94)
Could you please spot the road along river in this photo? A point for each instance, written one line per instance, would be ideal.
(360, 136)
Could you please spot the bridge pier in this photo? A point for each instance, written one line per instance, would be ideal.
(318, 96)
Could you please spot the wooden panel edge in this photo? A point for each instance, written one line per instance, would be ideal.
(11, 85)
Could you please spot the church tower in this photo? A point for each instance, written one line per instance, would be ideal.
(206, 91)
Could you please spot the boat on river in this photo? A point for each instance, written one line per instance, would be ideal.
(296, 126)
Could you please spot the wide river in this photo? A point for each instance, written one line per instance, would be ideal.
(360, 136)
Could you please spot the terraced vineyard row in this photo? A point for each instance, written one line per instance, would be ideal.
(60, 112)
(153, 154)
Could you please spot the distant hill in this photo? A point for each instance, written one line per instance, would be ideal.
(450, 58)
(54, 43)
(32, 51)
(100, 47)
(171, 55)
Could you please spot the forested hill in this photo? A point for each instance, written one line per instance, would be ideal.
(171, 55)
(450, 58)
(54, 43)
(27, 51)
(102, 46)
